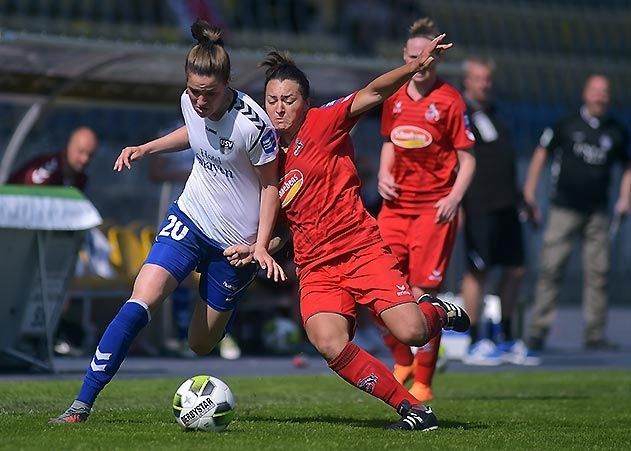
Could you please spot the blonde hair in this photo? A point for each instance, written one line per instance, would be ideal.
(208, 57)
(423, 28)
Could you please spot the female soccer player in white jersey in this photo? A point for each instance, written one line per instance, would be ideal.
(231, 193)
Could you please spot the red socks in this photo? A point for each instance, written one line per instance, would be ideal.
(364, 371)
(436, 317)
(401, 352)
(426, 358)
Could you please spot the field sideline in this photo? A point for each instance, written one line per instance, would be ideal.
(507, 410)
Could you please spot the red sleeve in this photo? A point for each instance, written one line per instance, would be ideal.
(336, 114)
(386, 119)
(459, 126)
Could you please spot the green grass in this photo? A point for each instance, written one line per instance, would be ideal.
(534, 410)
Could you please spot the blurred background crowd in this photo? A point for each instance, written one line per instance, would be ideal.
(114, 66)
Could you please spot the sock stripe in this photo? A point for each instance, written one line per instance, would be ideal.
(344, 358)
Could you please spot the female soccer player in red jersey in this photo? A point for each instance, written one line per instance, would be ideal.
(426, 166)
(341, 258)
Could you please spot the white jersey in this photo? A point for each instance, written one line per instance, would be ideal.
(222, 194)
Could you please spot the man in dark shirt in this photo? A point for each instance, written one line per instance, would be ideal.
(65, 168)
(493, 235)
(583, 147)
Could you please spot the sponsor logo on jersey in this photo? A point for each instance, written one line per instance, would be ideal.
(290, 184)
(212, 164)
(368, 383)
(269, 142)
(432, 113)
(411, 137)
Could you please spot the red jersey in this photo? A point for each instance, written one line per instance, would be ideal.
(319, 189)
(426, 134)
(47, 170)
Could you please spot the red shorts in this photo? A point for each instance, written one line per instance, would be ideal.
(422, 246)
(369, 276)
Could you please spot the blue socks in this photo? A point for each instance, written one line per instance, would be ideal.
(113, 348)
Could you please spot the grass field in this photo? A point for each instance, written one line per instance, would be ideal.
(533, 410)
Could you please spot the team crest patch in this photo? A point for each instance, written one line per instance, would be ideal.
(368, 383)
(411, 137)
(289, 186)
(225, 146)
(432, 113)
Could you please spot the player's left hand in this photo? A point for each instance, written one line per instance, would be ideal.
(268, 264)
(446, 209)
(239, 255)
(432, 52)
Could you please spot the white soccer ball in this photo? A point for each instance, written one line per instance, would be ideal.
(203, 403)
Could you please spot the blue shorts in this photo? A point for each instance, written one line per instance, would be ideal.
(180, 247)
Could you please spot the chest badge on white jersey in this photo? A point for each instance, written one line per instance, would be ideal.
(225, 146)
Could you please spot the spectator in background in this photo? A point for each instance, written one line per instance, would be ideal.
(493, 235)
(584, 147)
(65, 168)
(426, 166)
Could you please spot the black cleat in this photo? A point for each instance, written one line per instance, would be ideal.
(415, 418)
(72, 415)
(457, 318)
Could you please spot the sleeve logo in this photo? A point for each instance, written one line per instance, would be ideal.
(268, 141)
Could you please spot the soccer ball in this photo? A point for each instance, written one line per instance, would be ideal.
(203, 403)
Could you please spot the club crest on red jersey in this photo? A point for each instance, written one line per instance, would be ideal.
(289, 186)
(432, 114)
(410, 137)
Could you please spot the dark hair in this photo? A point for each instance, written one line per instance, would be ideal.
(208, 57)
(423, 28)
(280, 66)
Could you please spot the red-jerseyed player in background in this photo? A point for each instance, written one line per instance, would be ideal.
(341, 258)
(425, 169)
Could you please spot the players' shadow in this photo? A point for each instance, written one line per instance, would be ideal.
(364, 423)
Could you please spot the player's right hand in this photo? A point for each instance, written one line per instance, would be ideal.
(127, 155)
(268, 264)
(532, 210)
(387, 187)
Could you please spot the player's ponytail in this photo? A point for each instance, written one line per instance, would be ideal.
(423, 28)
(280, 66)
(208, 57)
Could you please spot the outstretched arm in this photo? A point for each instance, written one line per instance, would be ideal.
(175, 141)
(382, 87)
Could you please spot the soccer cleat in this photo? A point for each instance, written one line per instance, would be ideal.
(414, 418)
(457, 318)
(74, 414)
(421, 392)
